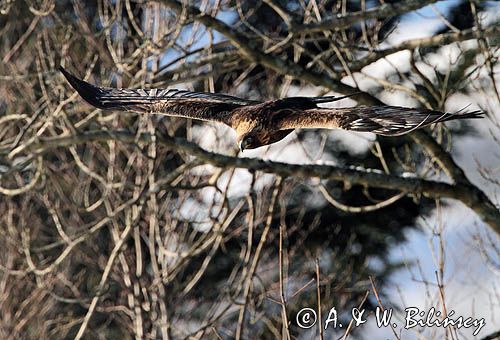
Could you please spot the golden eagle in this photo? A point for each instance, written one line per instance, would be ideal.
(262, 123)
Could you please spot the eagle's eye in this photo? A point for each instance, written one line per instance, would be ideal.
(246, 143)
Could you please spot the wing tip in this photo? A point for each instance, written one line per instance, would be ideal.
(88, 92)
(474, 114)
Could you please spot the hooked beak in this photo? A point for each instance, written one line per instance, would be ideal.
(240, 144)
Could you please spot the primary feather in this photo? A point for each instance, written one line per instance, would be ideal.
(382, 120)
(174, 102)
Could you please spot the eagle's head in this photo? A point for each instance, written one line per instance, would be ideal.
(256, 139)
(251, 141)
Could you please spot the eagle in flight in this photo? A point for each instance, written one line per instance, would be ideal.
(262, 123)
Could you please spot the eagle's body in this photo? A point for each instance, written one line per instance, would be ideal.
(262, 123)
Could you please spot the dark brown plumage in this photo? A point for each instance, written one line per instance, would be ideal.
(262, 123)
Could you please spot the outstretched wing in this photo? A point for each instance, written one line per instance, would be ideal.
(172, 102)
(382, 120)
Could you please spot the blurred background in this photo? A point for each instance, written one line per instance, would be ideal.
(117, 240)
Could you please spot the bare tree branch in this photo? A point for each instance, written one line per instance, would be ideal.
(383, 11)
(467, 194)
(437, 40)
